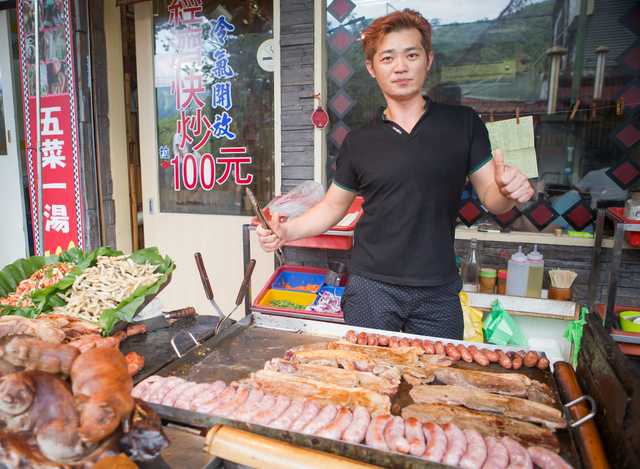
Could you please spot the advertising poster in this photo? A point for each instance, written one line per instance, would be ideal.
(62, 209)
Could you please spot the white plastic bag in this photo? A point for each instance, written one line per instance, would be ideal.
(299, 200)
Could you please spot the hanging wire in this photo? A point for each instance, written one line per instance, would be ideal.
(569, 111)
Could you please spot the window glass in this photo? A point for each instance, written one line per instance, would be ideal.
(214, 98)
(497, 57)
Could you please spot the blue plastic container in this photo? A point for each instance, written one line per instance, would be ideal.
(298, 279)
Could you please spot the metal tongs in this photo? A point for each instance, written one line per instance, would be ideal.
(225, 321)
(263, 221)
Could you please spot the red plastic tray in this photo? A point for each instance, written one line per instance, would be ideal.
(326, 241)
(293, 268)
(631, 237)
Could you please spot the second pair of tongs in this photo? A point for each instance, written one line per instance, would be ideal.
(263, 221)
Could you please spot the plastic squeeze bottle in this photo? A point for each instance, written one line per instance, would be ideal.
(536, 272)
(517, 274)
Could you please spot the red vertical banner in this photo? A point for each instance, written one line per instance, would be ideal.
(62, 202)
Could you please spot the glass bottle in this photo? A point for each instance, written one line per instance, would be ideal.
(471, 268)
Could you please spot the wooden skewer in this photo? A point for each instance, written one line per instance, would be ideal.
(575, 108)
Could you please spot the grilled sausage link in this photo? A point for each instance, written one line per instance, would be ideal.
(439, 348)
(428, 347)
(394, 436)
(415, 436)
(372, 340)
(452, 351)
(362, 338)
(383, 340)
(478, 356)
(466, 356)
(436, 442)
(356, 431)
(547, 459)
(336, 428)
(351, 337)
(456, 445)
(497, 456)
(375, 433)
(287, 418)
(476, 453)
(504, 361)
(491, 355)
(324, 418)
(518, 456)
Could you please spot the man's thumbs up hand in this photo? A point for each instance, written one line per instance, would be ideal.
(511, 183)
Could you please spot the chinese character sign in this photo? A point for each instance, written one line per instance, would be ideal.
(61, 204)
(212, 106)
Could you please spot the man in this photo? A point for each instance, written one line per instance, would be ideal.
(410, 164)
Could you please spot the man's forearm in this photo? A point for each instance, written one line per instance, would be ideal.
(315, 221)
(495, 202)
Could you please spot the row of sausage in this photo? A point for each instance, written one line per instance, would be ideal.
(447, 444)
(469, 354)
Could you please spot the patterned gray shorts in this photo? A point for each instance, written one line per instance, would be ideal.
(431, 311)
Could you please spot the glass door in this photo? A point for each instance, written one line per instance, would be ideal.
(14, 233)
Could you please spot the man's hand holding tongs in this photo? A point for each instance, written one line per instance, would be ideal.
(270, 240)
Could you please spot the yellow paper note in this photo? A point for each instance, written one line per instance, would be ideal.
(516, 142)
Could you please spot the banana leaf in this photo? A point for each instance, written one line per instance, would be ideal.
(13, 274)
(47, 298)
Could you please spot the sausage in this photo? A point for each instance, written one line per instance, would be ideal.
(311, 409)
(215, 390)
(135, 363)
(518, 456)
(543, 363)
(136, 329)
(452, 351)
(530, 359)
(239, 398)
(436, 441)
(150, 390)
(362, 338)
(167, 386)
(547, 459)
(383, 340)
(415, 436)
(351, 336)
(286, 419)
(439, 348)
(521, 353)
(428, 347)
(404, 342)
(516, 360)
(324, 418)
(255, 396)
(394, 436)
(503, 359)
(184, 401)
(491, 355)
(224, 398)
(372, 339)
(265, 418)
(267, 402)
(456, 445)
(476, 453)
(142, 386)
(466, 356)
(356, 431)
(336, 428)
(172, 396)
(497, 456)
(393, 342)
(479, 357)
(417, 343)
(375, 432)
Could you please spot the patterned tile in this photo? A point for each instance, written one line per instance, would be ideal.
(541, 214)
(470, 211)
(341, 104)
(340, 9)
(341, 71)
(625, 172)
(631, 19)
(580, 215)
(507, 218)
(627, 135)
(341, 39)
(631, 95)
(337, 133)
(630, 59)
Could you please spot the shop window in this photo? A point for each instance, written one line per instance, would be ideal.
(497, 59)
(214, 104)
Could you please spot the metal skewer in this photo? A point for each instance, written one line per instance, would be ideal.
(263, 221)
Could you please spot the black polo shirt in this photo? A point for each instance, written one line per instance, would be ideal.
(412, 185)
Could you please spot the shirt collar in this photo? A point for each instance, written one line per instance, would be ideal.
(427, 107)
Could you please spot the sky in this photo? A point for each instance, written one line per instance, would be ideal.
(447, 11)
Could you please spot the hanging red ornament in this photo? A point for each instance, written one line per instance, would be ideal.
(320, 118)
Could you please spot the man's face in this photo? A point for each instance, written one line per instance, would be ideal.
(400, 65)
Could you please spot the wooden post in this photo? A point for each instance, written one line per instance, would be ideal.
(601, 57)
(555, 53)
